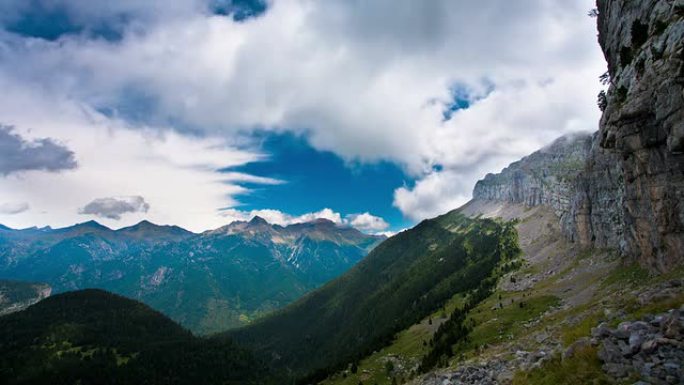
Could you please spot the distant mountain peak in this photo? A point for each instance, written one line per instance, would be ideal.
(146, 228)
(257, 220)
(92, 223)
(323, 221)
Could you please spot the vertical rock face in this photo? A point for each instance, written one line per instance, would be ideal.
(546, 177)
(624, 187)
(643, 122)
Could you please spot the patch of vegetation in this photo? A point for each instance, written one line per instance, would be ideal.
(636, 311)
(503, 317)
(580, 329)
(602, 100)
(584, 367)
(631, 274)
(621, 94)
(455, 329)
(659, 27)
(639, 34)
(626, 56)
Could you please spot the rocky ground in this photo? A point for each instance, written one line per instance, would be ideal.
(651, 349)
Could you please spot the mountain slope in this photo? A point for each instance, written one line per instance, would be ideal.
(399, 282)
(208, 282)
(17, 295)
(94, 337)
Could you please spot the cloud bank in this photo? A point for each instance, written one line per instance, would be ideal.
(368, 80)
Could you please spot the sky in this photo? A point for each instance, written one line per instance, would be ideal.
(374, 114)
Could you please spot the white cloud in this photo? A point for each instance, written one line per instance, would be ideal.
(365, 222)
(176, 174)
(367, 80)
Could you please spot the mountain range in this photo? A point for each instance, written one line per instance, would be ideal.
(208, 282)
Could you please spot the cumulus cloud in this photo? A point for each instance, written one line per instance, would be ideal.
(13, 208)
(365, 222)
(115, 207)
(18, 154)
(367, 80)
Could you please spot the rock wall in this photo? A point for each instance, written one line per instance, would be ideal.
(546, 177)
(643, 123)
(622, 187)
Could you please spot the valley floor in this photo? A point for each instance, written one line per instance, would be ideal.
(537, 327)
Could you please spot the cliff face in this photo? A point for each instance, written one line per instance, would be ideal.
(643, 122)
(622, 188)
(546, 177)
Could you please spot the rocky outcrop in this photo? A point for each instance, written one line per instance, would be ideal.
(17, 295)
(622, 188)
(651, 349)
(546, 177)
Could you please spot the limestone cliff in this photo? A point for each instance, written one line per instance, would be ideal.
(622, 188)
(643, 122)
(546, 177)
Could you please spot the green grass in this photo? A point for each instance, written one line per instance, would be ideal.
(635, 310)
(583, 368)
(494, 324)
(632, 274)
(572, 333)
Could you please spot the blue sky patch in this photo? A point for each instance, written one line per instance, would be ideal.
(50, 22)
(316, 179)
(462, 97)
(239, 9)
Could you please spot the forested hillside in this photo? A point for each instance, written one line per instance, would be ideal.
(402, 280)
(94, 337)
